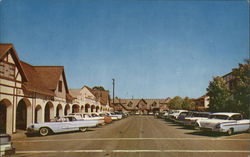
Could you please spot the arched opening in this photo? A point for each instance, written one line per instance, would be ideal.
(5, 116)
(49, 112)
(97, 108)
(23, 114)
(82, 108)
(92, 108)
(87, 106)
(67, 109)
(38, 114)
(59, 111)
(75, 108)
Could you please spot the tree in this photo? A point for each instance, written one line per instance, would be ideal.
(101, 88)
(219, 95)
(241, 89)
(188, 104)
(176, 103)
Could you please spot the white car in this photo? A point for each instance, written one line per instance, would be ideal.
(119, 116)
(6, 147)
(64, 124)
(224, 122)
(175, 113)
(195, 116)
(87, 117)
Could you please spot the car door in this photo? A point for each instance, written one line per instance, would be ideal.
(238, 123)
(66, 125)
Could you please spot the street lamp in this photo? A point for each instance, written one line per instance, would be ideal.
(113, 91)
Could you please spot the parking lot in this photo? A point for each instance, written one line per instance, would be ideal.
(135, 136)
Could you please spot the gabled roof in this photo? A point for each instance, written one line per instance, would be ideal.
(51, 75)
(89, 89)
(4, 49)
(135, 102)
(40, 79)
(35, 83)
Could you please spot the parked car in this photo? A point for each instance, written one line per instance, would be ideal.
(175, 113)
(150, 113)
(107, 119)
(111, 114)
(6, 147)
(124, 115)
(64, 124)
(224, 122)
(87, 117)
(191, 119)
(182, 116)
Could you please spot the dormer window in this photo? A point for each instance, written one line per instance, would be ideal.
(60, 86)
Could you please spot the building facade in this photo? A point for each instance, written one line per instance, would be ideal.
(202, 103)
(140, 106)
(91, 100)
(30, 94)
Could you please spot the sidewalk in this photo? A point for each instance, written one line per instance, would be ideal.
(20, 134)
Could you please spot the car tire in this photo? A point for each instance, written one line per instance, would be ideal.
(82, 129)
(196, 126)
(230, 131)
(44, 131)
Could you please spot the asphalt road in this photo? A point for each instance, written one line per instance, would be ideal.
(136, 136)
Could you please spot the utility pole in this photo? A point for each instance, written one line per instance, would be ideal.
(113, 91)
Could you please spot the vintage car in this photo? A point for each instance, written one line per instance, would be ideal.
(182, 116)
(6, 147)
(113, 115)
(191, 119)
(124, 115)
(224, 122)
(175, 113)
(64, 124)
(87, 117)
(107, 119)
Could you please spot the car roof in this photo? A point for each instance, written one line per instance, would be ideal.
(226, 113)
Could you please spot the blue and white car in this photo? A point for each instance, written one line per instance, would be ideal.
(64, 124)
(224, 122)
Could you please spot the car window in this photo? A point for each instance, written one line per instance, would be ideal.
(236, 117)
(224, 117)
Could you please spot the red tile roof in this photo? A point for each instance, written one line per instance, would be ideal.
(50, 75)
(40, 79)
(35, 83)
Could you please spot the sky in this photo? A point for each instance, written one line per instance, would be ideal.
(152, 48)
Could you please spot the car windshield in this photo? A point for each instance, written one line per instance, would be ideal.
(184, 113)
(200, 114)
(224, 117)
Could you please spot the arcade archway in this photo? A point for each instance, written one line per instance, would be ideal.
(5, 116)
(23, 114)
(49, 112)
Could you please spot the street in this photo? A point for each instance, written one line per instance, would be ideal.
(135, 136)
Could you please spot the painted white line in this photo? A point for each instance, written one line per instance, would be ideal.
(141, 126)
(132, 139)
(134, 151)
